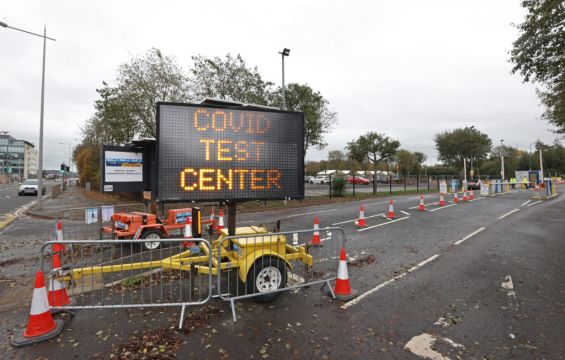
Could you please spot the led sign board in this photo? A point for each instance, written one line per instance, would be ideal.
(210, 153)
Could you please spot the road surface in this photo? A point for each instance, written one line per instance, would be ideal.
(481, 279)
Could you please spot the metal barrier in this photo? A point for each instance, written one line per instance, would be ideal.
(263, 265)
(86, 222)
(102, 274)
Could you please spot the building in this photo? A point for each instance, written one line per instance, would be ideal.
(18, 158)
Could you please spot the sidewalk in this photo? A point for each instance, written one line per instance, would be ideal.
(73, 196)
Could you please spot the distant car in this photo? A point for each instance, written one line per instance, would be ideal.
(474, 185)
(323, 179)
(358, 180)
(30, 187)
(308, 179)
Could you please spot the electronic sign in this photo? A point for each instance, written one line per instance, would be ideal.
(122, 169)
(220, 153)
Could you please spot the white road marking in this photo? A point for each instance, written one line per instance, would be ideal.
(386, 223)
(309, 213)
(348, 221)
(478, 198)
(415, 207)
(534, 203)
(442, 207)
(508, 213)
(377, 203)
(405, 212)
(526, 203)
(469, 236)
(423, 346)
(508, 285)
(380, 286)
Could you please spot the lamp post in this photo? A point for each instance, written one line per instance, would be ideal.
(502, 159)
(283, 53)
(40, 167)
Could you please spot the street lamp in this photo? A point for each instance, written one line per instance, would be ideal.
(40, 167)
(502, 158)
(285, 52)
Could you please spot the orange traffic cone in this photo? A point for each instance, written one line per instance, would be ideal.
(342, 288)
(361, 221)
(422, 207)
(187, 233)
(41, 325)
(220, 221)
(316, 235)
(57, 293)
(455, 198)
(465, 196)
(471, 195)
(58, 248)
(391, 210)
(441, 201)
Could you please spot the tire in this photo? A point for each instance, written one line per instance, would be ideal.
(152, 235)
(311, 182)
(268, 273)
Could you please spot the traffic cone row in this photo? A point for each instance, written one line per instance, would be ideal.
(390, 210)
(441, 201)
(422, 207)
(187, 234)
(57, 293)
(41, 325)
(465, 195)
(455, 198)
(361, 221)
(220, 225)
(316, 235)
(59, 248)
(471, 195)
(342, 288)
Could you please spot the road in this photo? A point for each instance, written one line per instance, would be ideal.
(481, 279)
(10, 201)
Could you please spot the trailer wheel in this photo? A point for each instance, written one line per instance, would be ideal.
(152, 235)
(266, 275)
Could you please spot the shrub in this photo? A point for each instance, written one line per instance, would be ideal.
(338, 185)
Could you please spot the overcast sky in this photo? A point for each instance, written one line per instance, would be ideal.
(409, 69)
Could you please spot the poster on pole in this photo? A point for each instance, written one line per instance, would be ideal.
(122, 169)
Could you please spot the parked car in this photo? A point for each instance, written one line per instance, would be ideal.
(321, 179)
(308, 179)
(30, 186)
(358, 180)
(474, 185)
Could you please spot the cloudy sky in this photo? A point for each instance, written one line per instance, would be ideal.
(409, 69)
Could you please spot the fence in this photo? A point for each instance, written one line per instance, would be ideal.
(102, 274)
(375, 184)
(268, 264)
(86, 222)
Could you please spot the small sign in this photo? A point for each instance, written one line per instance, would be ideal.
(443, 186)
(195, 248)
(108, 188)
(107, 212)
(91, 215)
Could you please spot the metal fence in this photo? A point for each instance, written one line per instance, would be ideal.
(86, 222)
(261, 266)
(102, 274)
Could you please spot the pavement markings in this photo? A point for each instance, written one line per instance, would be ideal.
(534, 203)
(309, 213)
(386, 223)
(405, 212)
(380, 286)
(508, 213)
(507, 284)
(348, 221)
(469, 236)
(8, 218)
(526, 203)
(423, 346)
(443, 207)
(377, 203)
(417, 206)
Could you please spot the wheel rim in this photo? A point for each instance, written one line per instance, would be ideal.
(152, 245)
(268, 279)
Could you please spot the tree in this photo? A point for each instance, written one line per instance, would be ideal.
(373, 148)
(539, 54)
(318, 118)
(409, 162)
(463, 143)
(336, 158)
(228, 79)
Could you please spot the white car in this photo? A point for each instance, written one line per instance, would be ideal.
(324, 179)
(30, 187)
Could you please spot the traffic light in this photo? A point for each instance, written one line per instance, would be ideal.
(62, 168)
(67, 169)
